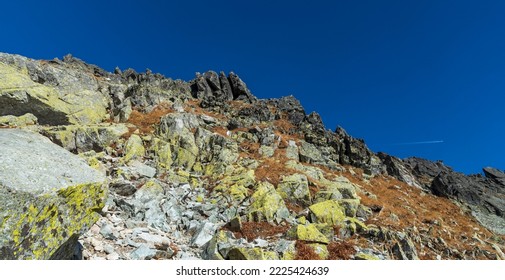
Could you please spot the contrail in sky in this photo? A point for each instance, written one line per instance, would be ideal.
(420, 142)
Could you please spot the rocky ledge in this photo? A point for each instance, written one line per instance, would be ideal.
(127, 165)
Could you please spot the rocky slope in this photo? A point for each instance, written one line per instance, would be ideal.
(205, 170)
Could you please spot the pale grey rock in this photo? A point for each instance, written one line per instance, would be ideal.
(143, 252)
(203, 235)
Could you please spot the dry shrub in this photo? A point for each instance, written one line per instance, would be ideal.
(283, 125)
(264, 230)
(293, 207)
(193, 106)
(272, 170)
(223, 131)
(304, 252)
(341, 250)
(249, 149)
(145, 122)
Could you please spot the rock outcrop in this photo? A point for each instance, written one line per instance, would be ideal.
(48, 197)
(205, 170)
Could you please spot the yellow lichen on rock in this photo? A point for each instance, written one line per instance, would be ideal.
(329, 212)
(267, 204)
(134, 149)
(308, 233)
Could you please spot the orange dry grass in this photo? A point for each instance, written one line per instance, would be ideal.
(283, 125)
(264, 230)
(433, 217)
(145, 122)
(304, 252)
(341, 250)
(272, 169)
(193, 106)
(220, 130)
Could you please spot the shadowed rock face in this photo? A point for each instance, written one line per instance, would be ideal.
(204, 169)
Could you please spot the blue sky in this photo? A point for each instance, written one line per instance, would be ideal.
(390, 72)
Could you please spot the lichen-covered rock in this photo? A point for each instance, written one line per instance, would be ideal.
(134, 148)
(267, 204)
(80, 138)
(176, 129)
(308, 233)
(236, 187)
(241, 253)
(295, 188)
(350, 206)
(329, 212)
(320, 249)
(18, 121)
(66, 99)
(286, 249)
(163, 153)
(48, 197)
(310, 154)
(366, 257)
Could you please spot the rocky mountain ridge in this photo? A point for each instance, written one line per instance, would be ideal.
(204, 169)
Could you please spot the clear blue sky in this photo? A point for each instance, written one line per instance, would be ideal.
(387, 71)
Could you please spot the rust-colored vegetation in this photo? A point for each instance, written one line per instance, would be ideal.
(304, 252)
(145, 122)
(264, 230)
(341, 250)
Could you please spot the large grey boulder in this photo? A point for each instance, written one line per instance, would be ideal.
(48, 197)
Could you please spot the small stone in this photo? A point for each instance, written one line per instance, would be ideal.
(143, 252)
(258, 242)
(107, 231)
(95, 229)
(113, 256)
(142, 169)
(109, 249)
(95, 242)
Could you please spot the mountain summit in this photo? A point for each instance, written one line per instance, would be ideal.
(127, 165)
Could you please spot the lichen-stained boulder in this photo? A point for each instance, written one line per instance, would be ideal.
(53, 92)
(18, 121)
(328, 212)
(134, 148)
(177, 129)
(267, 204)
(84, 138)
(48, 197)
(295, 188)
(308, 233)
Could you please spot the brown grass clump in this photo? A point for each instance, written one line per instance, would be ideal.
(341, 251)
(264, 230)
(145, 122)
(293, 207)
(249, 149)
(304, 252)
(193, 106)
(221, 130)
(283, 125)
(272, 170)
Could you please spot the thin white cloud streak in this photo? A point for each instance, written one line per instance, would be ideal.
(420, 143)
